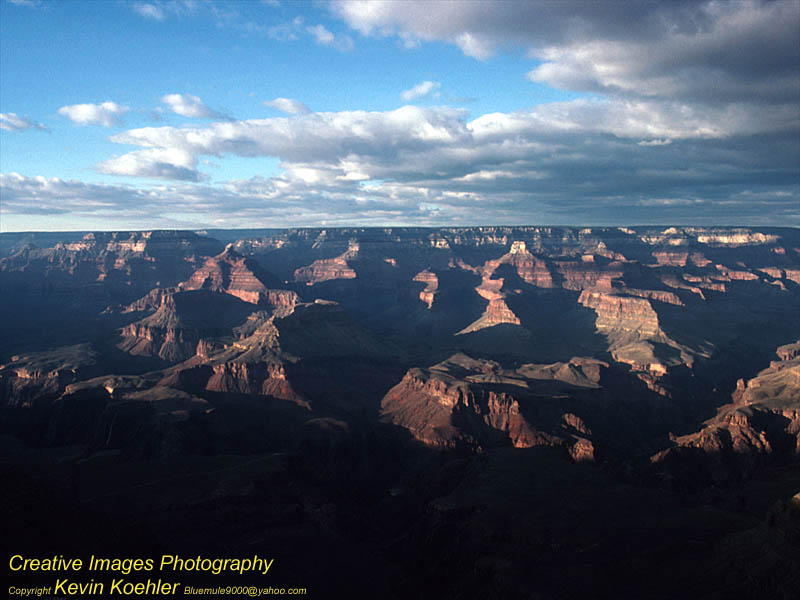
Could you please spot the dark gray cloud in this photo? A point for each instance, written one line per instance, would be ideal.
(688, 50)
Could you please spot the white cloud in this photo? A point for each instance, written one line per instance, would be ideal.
(321, 35)
(325, 38)
(106, 114)
(159, 163)
(475, 46)
(13, 122)
(288, 106)
(159, 10)
(420, 90)
(150, 11)
(312, 137)
(662, 142)
(190, 106)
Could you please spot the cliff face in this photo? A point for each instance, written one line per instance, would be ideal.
(181, 321)
(431, 282)
(261, 379)
(32, 378)
(256, 363)
(761, 425)
(531, 269)
(477, 403)
(328, 269)
(621, 313)
(210, 309)
(443, 412)
(241, 277)
(116, 267)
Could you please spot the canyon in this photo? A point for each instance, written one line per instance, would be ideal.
(480, 406)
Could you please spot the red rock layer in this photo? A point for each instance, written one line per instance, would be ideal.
(431, 282)
(238, 276)
(579, 276)
(265, 379)
(329, 268)
(761, 424)
(621, 312)
(427, 405)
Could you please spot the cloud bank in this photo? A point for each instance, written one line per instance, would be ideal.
(690, 116)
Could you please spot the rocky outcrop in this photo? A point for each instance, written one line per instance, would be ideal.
(671, 258)
(329, 268)
(431, 282)
(32, 378)
(788, 351)
(531, 269)
(625, 313)
(241, 277)
(181, 321)
(115, 266)
(256, 364)
(497, 313)
(588, 275)
(261, 379)
(761, 425)
(657, 295)
(440, 411)
(476, 403)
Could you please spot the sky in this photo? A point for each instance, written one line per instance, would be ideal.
(186, 114)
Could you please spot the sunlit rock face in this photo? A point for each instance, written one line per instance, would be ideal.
(760, 425)
(328, 269)
(233, 274)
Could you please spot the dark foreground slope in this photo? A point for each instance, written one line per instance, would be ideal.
(493, 412)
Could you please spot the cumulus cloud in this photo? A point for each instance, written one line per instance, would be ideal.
(288, 106)
(420, 90)
(190, 106)
(106, 114)
(159, 163)
(331, 137)
(13, 122)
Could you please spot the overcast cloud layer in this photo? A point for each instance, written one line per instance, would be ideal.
(693, 116)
